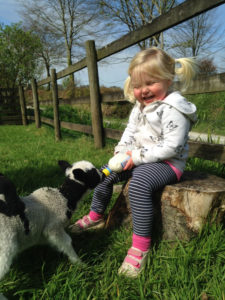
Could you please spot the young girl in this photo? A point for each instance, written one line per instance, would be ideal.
(156, 140)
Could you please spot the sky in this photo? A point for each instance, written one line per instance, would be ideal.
(113, 74)
(109, 75)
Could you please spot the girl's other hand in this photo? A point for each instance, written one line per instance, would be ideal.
(130, 163)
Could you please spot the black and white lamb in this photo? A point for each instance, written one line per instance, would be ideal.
(42, 216)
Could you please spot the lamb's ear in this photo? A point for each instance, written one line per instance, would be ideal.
(64, 164)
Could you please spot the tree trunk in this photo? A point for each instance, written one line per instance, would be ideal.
(181, 209)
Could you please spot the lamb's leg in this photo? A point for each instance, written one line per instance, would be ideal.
(6, 256)
(63, 242)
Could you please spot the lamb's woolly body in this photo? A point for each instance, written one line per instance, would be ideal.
(44, 208)
(49, 202)
(48, 211)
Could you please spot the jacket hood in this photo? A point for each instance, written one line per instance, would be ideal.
(177, 101)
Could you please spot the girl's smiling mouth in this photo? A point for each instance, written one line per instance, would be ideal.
(148, 99)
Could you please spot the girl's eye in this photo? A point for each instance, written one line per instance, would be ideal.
(150, 83)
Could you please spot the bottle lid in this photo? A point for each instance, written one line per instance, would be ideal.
(106, 171)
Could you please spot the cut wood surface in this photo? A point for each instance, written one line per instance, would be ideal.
(180, 209)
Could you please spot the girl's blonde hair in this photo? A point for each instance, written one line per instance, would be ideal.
(158, 64)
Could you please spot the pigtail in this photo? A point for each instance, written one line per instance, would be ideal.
(187, 70)
(128, 91)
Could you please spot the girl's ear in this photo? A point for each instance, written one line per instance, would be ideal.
(170, 82)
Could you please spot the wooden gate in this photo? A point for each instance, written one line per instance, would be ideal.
(10, 113)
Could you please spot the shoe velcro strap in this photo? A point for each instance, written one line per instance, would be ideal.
(136, 252)
(86, 220)
(80, 223)
(132, 261)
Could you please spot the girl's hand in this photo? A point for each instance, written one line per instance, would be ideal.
(130, 163)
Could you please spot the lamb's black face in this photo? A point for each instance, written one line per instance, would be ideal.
(7, 189)
(80, 177)
(90, 178)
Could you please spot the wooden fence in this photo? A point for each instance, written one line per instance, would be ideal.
(9, 108)
(202, 84)
(175, 16)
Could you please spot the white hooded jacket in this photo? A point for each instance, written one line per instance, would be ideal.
(159, 131)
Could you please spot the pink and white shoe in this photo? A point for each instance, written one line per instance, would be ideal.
(85, 224)
(133, 263)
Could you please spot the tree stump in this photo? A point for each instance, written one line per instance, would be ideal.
(181, 209)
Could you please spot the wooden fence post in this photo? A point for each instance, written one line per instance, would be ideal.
(36, 103)
(55, 100)
(23, 105)
(95, 97)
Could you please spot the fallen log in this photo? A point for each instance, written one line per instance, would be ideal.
(181, 209)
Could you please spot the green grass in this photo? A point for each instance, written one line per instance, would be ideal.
(184, 270)
(25, 151)
(211, 117)
(67, 113)
(81, 115)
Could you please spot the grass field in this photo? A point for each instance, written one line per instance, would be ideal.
(185, 270)
(210, 108)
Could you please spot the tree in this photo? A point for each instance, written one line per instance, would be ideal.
(67, 21)
(52, 49)
(206, 66)
(18, 59)
(130, 15)
(196, 36)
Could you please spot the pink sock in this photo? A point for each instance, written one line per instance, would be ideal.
(141, 242)
(95, 216)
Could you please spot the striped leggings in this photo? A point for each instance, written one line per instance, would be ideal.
(145, 180)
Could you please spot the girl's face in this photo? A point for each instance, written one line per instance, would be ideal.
(148, 89)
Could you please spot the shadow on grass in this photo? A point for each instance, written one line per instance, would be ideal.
(35, 268)
(92, 245)
(29, 179)
(30, 271)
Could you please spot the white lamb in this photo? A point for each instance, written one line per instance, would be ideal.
(42, 216)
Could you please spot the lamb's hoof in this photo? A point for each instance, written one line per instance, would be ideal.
(78, 263)
(75, 260)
